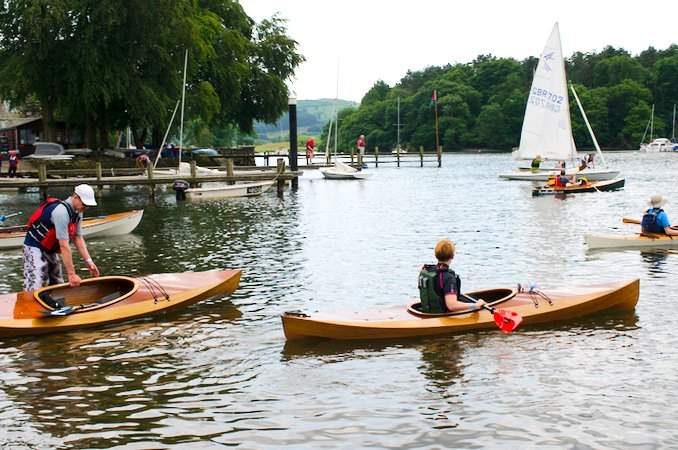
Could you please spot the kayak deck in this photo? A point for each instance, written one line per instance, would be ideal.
(650, 240)
(397, 322)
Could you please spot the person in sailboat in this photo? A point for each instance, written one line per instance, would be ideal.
(536, 162)
(440, 287)
(655, 219)
(51, 228)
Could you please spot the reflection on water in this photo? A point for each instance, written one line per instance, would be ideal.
(219, 373)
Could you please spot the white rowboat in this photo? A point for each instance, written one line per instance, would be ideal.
(111, 225)
(228, 190)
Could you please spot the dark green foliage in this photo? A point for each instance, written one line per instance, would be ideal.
(482, 103)
(107, 64)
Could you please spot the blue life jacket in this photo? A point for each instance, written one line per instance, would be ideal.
(649, 222)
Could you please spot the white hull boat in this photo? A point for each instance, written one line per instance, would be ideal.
(637, 240)
(657, 146)
(547, 128)
(342, 171)
(228, 190)
(543, 175)
(111, 225)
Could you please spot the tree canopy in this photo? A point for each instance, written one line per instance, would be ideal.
(482, 103)
(101, 65)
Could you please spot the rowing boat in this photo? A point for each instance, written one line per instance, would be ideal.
(550, 305)
(594, 186)
(103, 300)
(103, 226)
(229, 190)
(637, 240)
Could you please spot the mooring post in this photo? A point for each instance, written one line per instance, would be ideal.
(194, 173)
(280, 170)
(266, 158)
(42, 178)
(440, 156)
(421, 156)
(151, 184)
(229, 169)
(398, 156)
(294, 164)
(99, 185)
(376, 156)
(351, 155)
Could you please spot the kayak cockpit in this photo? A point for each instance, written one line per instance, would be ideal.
(493, 297)
(92, 294)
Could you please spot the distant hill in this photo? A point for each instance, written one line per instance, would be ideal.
(312, 115)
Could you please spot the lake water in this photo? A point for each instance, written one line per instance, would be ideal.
(220, 374)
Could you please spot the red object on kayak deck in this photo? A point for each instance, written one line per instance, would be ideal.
(507, 321)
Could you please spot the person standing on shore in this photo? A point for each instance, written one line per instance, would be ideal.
(310, 148)
(13, 163)
(51, 228)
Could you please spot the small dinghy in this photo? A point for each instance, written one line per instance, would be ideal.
(103, 300)
(589, 186)
(342, 171)
(111, 225)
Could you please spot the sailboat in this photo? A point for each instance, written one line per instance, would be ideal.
(398, 150)
(659, 144)
(547, 129)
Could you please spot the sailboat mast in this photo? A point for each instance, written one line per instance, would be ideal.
(336, 116)
(398, 134)
(183, 102)
(673, 130)
(651, 122)
(588, 125)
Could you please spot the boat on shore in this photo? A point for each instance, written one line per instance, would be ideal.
(593, 186)
(543, 306)
(103, 300)
(102, 226)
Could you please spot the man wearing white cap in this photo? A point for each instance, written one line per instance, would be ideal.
(51, 228)
(655, 219)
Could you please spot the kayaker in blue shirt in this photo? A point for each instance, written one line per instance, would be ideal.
(655, 219)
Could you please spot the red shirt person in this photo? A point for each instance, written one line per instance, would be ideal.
(310, 148)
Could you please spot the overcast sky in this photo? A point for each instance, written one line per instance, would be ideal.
(369, 40)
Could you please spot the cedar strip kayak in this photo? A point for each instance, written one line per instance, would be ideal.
(636, 240)
(401, 321)
(595, 186)
(110, 225)
(103, 300)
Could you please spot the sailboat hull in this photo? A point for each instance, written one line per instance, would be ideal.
(596, 186)
(589, 174)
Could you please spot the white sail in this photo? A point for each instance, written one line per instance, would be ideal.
(547, 130)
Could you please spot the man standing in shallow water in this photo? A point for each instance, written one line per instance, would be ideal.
(51, 228)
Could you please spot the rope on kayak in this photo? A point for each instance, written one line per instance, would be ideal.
(155, 288)
(534, 294)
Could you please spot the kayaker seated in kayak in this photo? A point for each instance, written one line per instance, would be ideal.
(562, 180)
(439, 286)
(50, 230)
(655, 219)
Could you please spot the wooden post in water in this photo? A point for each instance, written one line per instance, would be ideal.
(376, 156)
(398, 156)
(194, 173)
(421, 156)
(42, 178)
(265, 158)
(280, 170)
(440, 156)
(229, 169)
(292, 112)
(351, 155)
(99, 186)
(151, 185)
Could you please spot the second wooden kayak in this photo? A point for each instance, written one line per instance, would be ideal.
(636, 240)
(550, 305)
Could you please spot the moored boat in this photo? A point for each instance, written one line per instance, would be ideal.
(637, 240)
(552, 305)
(103, 300)
(110, 225)
(342, 171)
(594, 186)
(228, 190)
(545, 174)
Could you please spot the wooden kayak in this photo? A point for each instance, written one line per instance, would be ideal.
(103, 300)
(550, 305)
(111, 225)
(593, 186)
(637, 240)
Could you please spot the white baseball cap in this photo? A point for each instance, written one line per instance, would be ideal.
(86, 194)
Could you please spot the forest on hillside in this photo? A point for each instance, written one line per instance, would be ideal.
(481, 104)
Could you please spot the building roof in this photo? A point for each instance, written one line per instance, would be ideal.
(15, 123)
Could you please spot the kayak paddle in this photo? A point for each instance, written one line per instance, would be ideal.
(507, 321)
(630, 220)
(3, 218)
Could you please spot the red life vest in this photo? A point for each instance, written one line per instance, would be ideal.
(41, 229)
